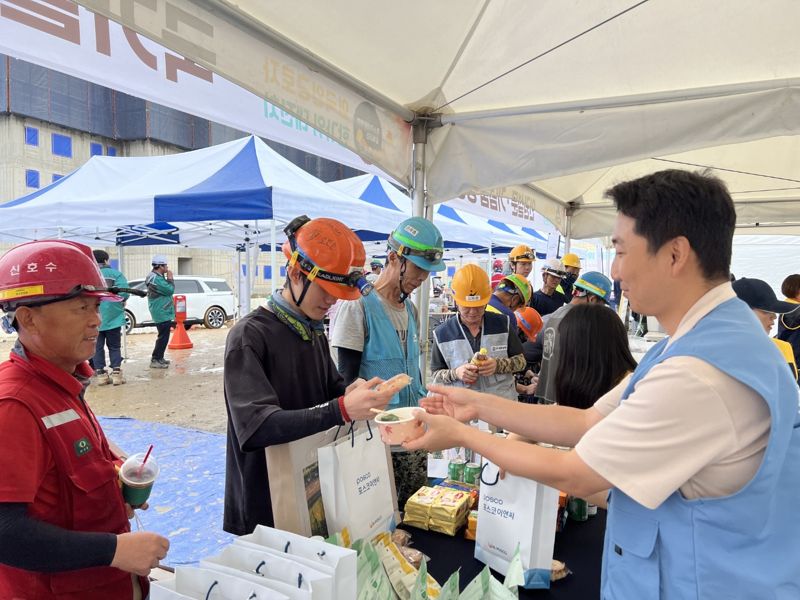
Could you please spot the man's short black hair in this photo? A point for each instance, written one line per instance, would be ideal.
(101, 256)
(673, 203)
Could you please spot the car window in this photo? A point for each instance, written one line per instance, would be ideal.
(218, 286)
(187, 286)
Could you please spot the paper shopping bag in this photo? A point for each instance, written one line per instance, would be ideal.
(357, 484)
(286, 576)
(294, 484)
(512, 512)
(339, 562)
(204, 583)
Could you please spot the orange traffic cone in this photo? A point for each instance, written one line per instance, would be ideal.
(180, 339)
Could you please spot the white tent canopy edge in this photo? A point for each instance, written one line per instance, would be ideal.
(460, 85)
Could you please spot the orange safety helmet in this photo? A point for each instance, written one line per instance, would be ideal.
(471, 286)
(530, 321)
(329, 253)
(47, 271)
(522, 253)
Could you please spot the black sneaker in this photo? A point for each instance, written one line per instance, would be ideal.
(157, 364)
(164, 361)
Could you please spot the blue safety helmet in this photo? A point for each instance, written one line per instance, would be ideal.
(595, 283)
(419, 241)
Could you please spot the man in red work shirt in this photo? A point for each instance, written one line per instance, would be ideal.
(64, 530)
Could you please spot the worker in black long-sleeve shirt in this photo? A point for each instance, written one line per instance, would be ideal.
(280, 381)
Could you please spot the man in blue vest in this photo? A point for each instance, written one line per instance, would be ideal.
(700, 446)
(377, 335)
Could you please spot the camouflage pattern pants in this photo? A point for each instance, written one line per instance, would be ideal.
(410, 474)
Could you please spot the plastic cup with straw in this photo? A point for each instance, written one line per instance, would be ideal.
(138, 473)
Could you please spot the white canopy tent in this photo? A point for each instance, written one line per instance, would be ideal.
(542, 101)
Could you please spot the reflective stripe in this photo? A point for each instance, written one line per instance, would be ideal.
(57, 419)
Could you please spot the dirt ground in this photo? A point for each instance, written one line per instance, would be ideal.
(188, 394)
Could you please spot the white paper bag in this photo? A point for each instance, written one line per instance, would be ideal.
(202, 584)
(339, 562)
(357, 483)
(512, 512)
(286, 576)
(294, 484)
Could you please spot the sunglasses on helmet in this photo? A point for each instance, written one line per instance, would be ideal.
(524, 255)
(579, 293)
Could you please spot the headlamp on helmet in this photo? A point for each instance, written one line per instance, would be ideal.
(355, 278)
(429, 254)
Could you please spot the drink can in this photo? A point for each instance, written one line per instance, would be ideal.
(472, 473)
(455, 470)
(578, 509)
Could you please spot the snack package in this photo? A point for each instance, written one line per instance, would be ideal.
(418, 507)
(449, 511)
(479, 356)
(401, 537)
(394, 384)
(559, 570)
(401, 573)
(415, 557)
(472, 525)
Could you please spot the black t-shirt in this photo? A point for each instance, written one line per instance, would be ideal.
(272, 378)
(545, 304)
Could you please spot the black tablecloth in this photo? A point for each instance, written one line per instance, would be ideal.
(580, 546)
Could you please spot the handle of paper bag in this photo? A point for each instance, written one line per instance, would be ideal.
(211, 587)
(496, 479)
(352, 433)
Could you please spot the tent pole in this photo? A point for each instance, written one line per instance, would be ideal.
(421, 208)
(273, 261)
(491, 267)
(568, 234)
(239, 280)
(121, 258)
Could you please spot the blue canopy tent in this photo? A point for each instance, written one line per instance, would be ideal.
(213, 197)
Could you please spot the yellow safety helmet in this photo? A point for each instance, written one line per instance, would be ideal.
(571, 260)
(522, 253)
(471, 286)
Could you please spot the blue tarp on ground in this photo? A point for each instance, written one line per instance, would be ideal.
(186, 502)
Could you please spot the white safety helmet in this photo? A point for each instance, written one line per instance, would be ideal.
(159, 260)
(553, 267)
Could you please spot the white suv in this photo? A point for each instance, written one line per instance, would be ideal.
(209, 300)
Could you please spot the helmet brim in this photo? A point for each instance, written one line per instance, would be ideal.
(426, 265)
(337, 290)
(104, 296)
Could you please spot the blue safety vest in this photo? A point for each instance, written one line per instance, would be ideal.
(383, 354)
(744, 545)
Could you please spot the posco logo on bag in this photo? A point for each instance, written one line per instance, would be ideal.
(366, 482)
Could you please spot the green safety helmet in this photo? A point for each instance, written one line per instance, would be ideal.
(419, 241)
(515, 283)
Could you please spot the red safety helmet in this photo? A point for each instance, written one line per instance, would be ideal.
(497, 265)
(329, 253)
(46, 271)
(530, 321)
